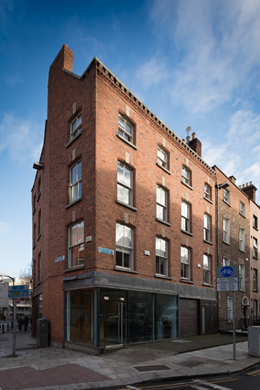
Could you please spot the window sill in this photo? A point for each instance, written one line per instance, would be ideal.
(34, 211)
(242, 290)
(76, 268)
(224, 242)
(186, 185)
(160, 276)
(73, 139)
(255, 228)
(186, 281)
(255, 258)
(39, 237)
(126, 205)
(123, 269)
(72, 203)
(34, 246)
(39, 197)
(208, 242)
(185, 232)
(242, 215)
(241, 250)
(208, 200)
(127, 142)
(164, 169)
(228, 204)
(164, 222)
(255, 291)
(207, 284)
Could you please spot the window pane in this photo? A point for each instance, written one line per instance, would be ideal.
(123, 194)
(184, 255)
(184, 209)
(159, 212)
(160, 247)
(128, 237)
(119, 234)
(161, 196)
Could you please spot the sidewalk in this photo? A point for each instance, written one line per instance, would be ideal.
(63, 369)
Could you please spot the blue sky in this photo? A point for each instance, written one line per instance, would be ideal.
(192, 62)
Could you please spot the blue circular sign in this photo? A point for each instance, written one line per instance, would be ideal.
(227, 271)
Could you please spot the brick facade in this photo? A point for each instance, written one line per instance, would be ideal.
(100, 98)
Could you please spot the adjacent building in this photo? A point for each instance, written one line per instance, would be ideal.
(123, 218)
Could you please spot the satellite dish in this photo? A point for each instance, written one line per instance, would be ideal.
(188, 130)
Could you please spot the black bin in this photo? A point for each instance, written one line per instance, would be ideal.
(43, 327)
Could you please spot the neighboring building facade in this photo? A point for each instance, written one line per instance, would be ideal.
(237, 245)
(123, 218)
(254, 234)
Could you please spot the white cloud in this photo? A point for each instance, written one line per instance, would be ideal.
(152, 72)
(235, 153)
(21, 138)
(217, 44)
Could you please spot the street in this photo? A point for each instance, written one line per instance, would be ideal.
(249, 379)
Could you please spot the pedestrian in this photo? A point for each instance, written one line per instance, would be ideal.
(25, 323)
(20, 323)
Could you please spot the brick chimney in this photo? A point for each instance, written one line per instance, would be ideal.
(64, 59)
(249, 190)
(195, 144)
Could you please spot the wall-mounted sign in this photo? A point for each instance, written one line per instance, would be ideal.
(147, 253)
(59, 259)
(89, 238)
(105, 250)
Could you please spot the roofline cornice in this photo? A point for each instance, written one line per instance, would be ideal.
(112, 78)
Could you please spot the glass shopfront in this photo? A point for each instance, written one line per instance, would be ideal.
(106, 316)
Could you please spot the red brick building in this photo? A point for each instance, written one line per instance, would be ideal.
(123, 218)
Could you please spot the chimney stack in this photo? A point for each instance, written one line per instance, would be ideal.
(188, 140)
(195, 144)
(249, 190)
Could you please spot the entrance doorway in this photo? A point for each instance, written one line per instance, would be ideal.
(112, 320)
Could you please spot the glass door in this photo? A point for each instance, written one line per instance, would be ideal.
(112, 314)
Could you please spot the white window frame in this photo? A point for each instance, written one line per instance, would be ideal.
(226, 262)
(186, 175)
(207, 227)
(124, 249)
(242, 277)
(160, 206)
(123, 124)
(126, 187)
(255, 248)
(76, 186)
(161, 256)
(78, 129)
(207, 269)
(185, 263)
(255, 280)
(242, 208)
(226, 230)
(230, 308)
(79, 245)
(242, 239)
(162, 157)
(185, 216)
(207, 191)
(226, 195)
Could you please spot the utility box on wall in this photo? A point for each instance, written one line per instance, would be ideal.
(43, 327)
(254, 341)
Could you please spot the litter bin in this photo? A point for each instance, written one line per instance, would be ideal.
(254, 341)
(43, 327)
